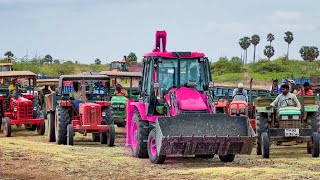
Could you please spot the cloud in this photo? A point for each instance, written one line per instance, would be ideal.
(288, 15)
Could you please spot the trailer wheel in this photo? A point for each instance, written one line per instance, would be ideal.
(152, 149)
(227, 158)
(6, 127)
(265, 145)
(261, 126)
(314, 121)
(95, 137)
(315, 144)
(70, 134)
(205, 156)
(111, 136)
(51, 133)
(62, 121)
(139, 136)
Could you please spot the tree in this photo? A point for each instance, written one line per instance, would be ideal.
(132, 57)
(288, 38)
(309, 53)
(48, 59)
(56, 61)
(9, 55)
(97, 61)
(255, 39)
(244, 44)
(270, 38)
(268, 51)
(235, 65)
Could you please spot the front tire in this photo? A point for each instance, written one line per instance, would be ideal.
(139, 136)
(152, 149)
(261, 127)
(70, 134)
(63, 119)
(315, 144)
(51, 133)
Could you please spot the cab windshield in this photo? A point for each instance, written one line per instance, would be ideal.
(191, 72)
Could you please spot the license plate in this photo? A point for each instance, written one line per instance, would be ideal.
(291, 132)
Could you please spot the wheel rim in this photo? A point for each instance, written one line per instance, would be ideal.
(134, 135)
(153, 146)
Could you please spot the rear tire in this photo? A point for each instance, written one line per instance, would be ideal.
(111, 136)
(227, 158)
(204, 156)
(261, 126)
(152, 149)
(63, 119)
(139, 138)
(108, 119)
(315, 144)
(265, 145)
(51, 133)
(70, 134)
(314, 121)
(6, 127)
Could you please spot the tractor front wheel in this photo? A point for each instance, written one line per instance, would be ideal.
(41, 128)
(265, 145)
(152, 149)
(51, 133)
(315, 144)
(70, 134)
(139, 136)
(227, 158)
(63, 119)
(6, 127)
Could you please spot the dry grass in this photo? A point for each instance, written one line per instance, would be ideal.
(32, 157)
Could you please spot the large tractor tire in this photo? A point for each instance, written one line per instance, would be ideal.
(315, 144)
(6, 127)
(70, 134)
(109, 137)
(265, 145)
(314, 121)
(62, 121)
(139, 136)
(51, 133)
(152, 149)
(261, 127)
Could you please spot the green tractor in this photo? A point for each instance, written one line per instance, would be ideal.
(130, 82)
(288, 124)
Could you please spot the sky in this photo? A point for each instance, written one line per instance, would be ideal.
(83, 30)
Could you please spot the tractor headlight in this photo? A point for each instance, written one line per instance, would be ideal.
(35, 108)
(296, 117)
(122, 106)
(103, 114)
(233, 111)
(242, 110)
(15, 109)
(115, 105)
(284, 117)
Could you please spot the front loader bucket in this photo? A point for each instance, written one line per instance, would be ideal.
(191, 134)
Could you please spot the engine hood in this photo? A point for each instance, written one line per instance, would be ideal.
(119, 99)
(190, 99)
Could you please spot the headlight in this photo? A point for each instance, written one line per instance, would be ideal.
(103, 114)
(115, 105)
(123, 106)
(233, 111)
(35, 108)
(296, 117)
(284, 117)
(15, 109)
(242, 111)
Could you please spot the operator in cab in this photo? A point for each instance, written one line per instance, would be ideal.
(240, 90)
(306, 90)
(120, 91)
(76, 94)
(285, 99)
(12, 86)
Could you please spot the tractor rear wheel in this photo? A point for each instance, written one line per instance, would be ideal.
(107, 119)
(227, 158)
(6, 127)
(70, 134)
(152, 149)
(315, 144)
(139, 136)
(111, 136)
(51, 133)
(261, 126)
(95, 137)
(265, 145)
(63, 119)
(314, 121)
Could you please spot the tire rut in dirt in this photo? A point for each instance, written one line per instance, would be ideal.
(63, 121)
(261, 126)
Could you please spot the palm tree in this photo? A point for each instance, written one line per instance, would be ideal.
(242, 49)
(9, 55)
(288, 38)
(268, 51)
(270, 38)
(255, 39)
(245, 43)
(309, 53)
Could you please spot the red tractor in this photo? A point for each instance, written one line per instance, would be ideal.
(92, 113)
(239, 105)
(20, 106)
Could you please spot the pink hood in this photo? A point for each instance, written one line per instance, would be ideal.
(190, 99)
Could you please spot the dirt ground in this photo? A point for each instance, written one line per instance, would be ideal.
(29, 156)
